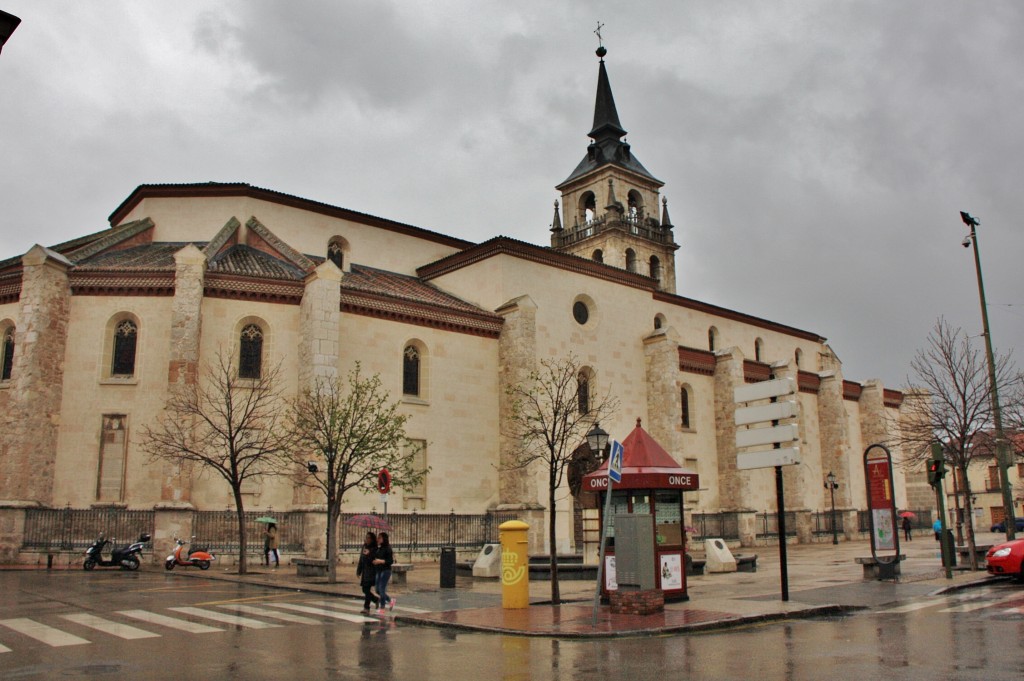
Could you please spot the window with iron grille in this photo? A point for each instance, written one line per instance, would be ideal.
(411, 371)
(7, 353)
(123, 361)
(250, 358)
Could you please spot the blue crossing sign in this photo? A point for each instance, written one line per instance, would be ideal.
(615, 462)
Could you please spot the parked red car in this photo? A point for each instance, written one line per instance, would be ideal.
(1007, 559)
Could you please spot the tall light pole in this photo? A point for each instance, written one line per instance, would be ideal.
(997, 416)
(831, 485)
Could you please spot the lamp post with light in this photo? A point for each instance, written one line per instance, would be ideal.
(997, 416)
(597, 440)
(831, 485)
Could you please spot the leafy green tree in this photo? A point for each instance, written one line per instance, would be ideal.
(354, 430)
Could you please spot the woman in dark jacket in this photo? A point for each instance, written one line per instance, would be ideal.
(383, 560)
(367, 571)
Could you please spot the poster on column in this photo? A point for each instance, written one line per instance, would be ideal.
(882, 504)
(671, 572)
(609, 574)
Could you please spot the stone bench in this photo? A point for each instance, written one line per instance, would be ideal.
(876, 570)
(980, 550)
(310, 567)
(399, 572)
(746, 563)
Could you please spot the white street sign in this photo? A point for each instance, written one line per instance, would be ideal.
(765, 390)
(769, 458)
(765, 413)
(752, 437)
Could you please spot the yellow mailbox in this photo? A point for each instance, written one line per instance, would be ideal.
(515, 568)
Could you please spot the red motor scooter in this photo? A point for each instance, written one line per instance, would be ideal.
(199, 559)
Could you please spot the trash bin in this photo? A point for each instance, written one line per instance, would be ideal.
(447, 567)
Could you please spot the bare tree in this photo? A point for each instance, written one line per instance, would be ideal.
(351, 430)
(551, 413)
(955, 408)
(222, 424)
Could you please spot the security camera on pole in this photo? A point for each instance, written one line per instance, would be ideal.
(763, 428)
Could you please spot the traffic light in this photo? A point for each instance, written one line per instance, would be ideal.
(936, 471)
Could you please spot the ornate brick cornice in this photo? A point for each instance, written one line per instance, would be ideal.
(892, 398)
(755, 372)
(851, 391)
(694, 361)
(407, 312)
(239, 288)
(808, 382)
(10, 285)
(121, 283)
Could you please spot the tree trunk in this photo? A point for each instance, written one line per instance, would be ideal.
(332, 543)
(240, 513)
(556, 597)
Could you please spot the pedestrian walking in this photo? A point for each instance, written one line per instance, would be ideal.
(907, 526)
(937, 529)
(270, 541)
(367, 571)
(384, 559)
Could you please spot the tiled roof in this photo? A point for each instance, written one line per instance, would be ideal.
(246, 261)
(392, 285)
(158, 256)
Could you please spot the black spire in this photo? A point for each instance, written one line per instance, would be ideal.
(606, 118)
(607, 146)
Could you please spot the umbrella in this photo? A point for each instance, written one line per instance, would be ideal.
(369, 521)
(689, 529)
(908, 514)
(266, 519)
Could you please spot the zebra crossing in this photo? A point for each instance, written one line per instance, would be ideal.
(80, 628)
(995, 602)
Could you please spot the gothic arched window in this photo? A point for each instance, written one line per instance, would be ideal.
(335, 254)
(122, 362)
(250, 352)
(583, 392)
(6, 353)
(411, 371)
(684, 405)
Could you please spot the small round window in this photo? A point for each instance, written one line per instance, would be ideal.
(580, 312)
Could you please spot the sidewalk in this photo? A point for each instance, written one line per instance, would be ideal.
(823, 579)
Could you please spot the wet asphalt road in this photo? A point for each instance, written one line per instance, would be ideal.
(74, 625)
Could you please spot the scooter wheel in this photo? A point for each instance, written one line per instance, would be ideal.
(204, 565)
(131, 563)
(89, 564)
(169, 565)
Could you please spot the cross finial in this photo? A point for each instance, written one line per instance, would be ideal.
(597, 32)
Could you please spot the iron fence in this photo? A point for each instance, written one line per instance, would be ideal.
(768, 524)
(822, 522)
(421, 531)
(920, 519)
(218, 531)
(716, 525)
(69, 529)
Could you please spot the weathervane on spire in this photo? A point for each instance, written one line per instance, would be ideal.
(601, 51)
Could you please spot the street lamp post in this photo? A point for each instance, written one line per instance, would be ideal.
(831, 485)
(997, 417)
(597, 440)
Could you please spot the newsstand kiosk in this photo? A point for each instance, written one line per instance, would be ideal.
(652, 484)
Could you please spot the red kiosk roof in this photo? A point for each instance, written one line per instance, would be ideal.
(645, 465)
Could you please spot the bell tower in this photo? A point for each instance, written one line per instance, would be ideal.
(610, 209)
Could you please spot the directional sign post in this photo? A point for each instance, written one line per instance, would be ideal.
(773, 434)
(614, 475)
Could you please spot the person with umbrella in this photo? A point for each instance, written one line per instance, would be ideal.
(270, 543)
(367, 571)
(907, 525)
(384, 559)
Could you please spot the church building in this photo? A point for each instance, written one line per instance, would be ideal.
(96, 329)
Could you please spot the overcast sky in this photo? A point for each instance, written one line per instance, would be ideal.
(815, 154)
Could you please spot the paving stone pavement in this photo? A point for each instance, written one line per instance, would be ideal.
(822, 579)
